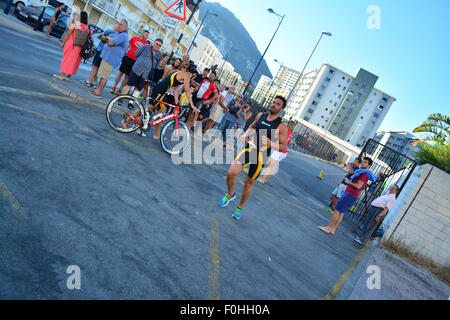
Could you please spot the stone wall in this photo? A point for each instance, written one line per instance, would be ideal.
(422, 215)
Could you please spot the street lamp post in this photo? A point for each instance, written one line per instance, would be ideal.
(301, 73)
(226, 59)
(199, 28)
(262, 57)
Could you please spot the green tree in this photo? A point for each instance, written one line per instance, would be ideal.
(436, 124)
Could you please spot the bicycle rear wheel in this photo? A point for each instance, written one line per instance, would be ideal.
(122, 108)
(175, 141)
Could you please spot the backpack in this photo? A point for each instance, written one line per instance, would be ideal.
(80, 38)
(88, 49)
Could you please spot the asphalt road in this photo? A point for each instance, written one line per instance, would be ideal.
(74, 192)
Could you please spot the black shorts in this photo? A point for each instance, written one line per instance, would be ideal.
(97, 60)
(205, 111)
(253, 159)
(169, 99)
(127, 64)
(136, 81)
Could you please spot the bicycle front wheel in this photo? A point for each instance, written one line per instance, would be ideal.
(174, 141)
(124, 113)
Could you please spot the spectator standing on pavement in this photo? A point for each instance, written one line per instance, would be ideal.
(337, 192)
(55, 17)
(206, 94)
(71, 56)
(111, 55)
(214, 110)
(378, 209)
(8, 6)
(159, 72)
(128, 60)
(169, 68)
(216, 114)
(355, 184)
(148, 59)
(231, 113)
(92, 80)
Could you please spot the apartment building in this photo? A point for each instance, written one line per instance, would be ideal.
(400, 141)
(348, 107)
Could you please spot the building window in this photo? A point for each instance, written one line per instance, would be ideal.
(376, 115)
(348, 80)
(380, 107)
(331, 112)
(314, 103)
(335, 104)
(357, 96)
(306, 118)
(327, 79)
(326, 109)
(345, 119)
(323, 87)
(363, 87)
(331, 71)
(319, 95)
(362, 118)
(321, 117)
(385, 99)
(353, 103)
(310, 110)
(339, 86)
(344, 88)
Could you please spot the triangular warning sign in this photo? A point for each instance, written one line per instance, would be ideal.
(177, 10)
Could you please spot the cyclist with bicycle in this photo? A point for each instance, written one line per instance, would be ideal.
(175, 79)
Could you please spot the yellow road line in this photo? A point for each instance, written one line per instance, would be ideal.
(343, 279)
(12, 201)
(214, 266)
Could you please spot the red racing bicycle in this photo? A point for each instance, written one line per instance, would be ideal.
(174, 137)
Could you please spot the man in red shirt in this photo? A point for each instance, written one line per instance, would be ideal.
(129, 59)
(348, 197)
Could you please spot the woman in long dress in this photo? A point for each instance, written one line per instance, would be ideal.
(71, 56)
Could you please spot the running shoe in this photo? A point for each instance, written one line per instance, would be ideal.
(330, 210)
(237, 213)
(226, 200)
(113, 90)
(118, 91)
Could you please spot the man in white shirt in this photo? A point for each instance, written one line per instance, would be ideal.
(378, 209)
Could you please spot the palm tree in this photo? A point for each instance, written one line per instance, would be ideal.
(436, 124)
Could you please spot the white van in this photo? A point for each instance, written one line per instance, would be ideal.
(30, 3)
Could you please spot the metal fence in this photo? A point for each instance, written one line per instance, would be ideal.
(310, 142)
(391, 167)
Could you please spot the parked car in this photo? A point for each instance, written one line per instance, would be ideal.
(95, 29)
(30, 3)
(30, 15)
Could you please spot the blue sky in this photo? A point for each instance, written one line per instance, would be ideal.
(410, 52)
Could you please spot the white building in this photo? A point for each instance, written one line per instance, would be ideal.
(348, 107)
(205, 53)
(282, 84)
(400, 141)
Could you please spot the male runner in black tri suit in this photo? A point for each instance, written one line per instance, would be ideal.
(270, 133)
